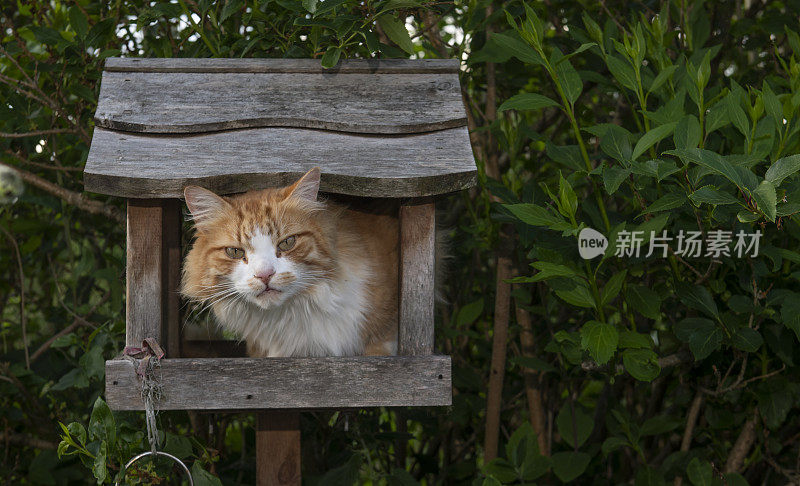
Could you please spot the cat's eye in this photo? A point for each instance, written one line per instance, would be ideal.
(234, 252)
(286, 244)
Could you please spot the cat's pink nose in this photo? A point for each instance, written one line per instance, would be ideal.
(265, 275)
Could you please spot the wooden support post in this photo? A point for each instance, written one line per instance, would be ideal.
(144, 272)
(153, 271)
(278, 448)
(417, 247)
(416, 287)
(171, 224)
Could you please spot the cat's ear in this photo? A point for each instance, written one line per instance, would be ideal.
(307, 187)
(203, 204)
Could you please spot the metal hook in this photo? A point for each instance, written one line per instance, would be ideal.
(159, 453)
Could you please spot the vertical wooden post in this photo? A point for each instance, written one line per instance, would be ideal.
(172, 224)
(278, 448)
(417, 248)
(153, 272)
(416, 287)
(144, 272)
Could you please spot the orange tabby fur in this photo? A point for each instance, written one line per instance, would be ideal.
(339, 248)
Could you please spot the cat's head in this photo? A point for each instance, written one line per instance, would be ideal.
(261, 247)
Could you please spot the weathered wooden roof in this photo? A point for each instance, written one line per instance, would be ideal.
(384, 128)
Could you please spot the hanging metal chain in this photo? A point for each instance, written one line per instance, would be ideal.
(146, 360)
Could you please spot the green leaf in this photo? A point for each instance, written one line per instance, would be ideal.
(699, 472)
(400, 477)
(46, 35)
(78, 21)
(331, 57)
(614, 176)
(578, 296)
(233, 6)
(613, 287)
(568, 78)
(642, 364)
(201, 477)
(622, 71)
(632, 339)
(78, 432)
(99, 464)
(687, 133)
(569, 465)
(101, 32)
(613, 443)
(698, 298)
(600, 339)
(584, 423)
(498, 468)
(767, 199)
(532, 214)
(774, 402)
(710, 195)
(659, 425)
(644, 301)
(652, 137)
(782, 168)
(666, 202)
(568, 201)
(740, 176)
(518, 49)
(178, 446)
(649, 476)
(773, 107)
(527, 101)
(101, 423)
(469, 313)
(395, 30)
(662, 78)
(551, 270)
(395, 4)
(703, 335)
(737, 116)
(616, 144)
(747, 339)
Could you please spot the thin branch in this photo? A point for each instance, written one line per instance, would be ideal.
(27, 441)
(22, 320)
(22, 159)
(37, 133)
(70, 197)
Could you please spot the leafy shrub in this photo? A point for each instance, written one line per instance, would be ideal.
(614, 116)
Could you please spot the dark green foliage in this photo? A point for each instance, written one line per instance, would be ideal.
(620, 117)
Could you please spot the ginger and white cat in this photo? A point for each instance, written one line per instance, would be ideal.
(292, 275)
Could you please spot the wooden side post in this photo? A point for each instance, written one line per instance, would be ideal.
(278, 448)
(153, 271)
(417, 248)
(416, 287)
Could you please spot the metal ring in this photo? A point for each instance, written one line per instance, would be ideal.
(159, 453)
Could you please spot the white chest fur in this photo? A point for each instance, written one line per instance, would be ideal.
(325, 321)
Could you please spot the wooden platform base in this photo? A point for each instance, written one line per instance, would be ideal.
(287, 383)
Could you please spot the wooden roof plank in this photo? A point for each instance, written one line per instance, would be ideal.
(180, 102)
(152, 166)
(261, 65)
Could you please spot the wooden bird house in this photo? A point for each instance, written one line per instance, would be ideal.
(377, 129)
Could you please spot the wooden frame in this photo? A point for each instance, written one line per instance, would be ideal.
(414, 378)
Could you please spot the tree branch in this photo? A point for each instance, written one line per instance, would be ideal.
(70, 197)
